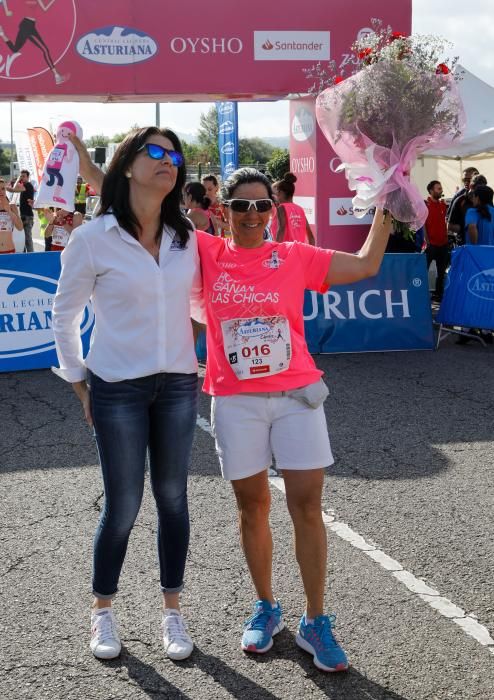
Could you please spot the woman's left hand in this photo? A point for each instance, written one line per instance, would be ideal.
(82, 392)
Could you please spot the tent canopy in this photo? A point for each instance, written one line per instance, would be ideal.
(478, 139)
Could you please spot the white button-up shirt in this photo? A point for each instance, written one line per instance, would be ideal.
(142, 309)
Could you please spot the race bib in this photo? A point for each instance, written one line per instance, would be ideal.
(56, 157)
(60, 236)
(5, 222)
(257, 347)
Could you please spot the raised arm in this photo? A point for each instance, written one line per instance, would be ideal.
(89, 170)
(346, 268)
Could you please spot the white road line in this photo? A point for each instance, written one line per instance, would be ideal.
(442, 605)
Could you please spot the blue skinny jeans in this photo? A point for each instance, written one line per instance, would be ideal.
(156, 413)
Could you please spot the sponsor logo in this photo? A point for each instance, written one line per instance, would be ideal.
(334, 164)
(177, 244)
(252, 329)
(274, 261)
(56, 24)
(233, 358)
(225, 108)
(342, 213)
(364, 33)
(26, 301)
(206, 44)
(352, 58)
(291, 46)
(303, 124)
(373, 304)
(482, 285)
(229, 168)
(228, 148)
(227, 127)
(263, 369)
(308, 204)
(117, 46)
(305, 164)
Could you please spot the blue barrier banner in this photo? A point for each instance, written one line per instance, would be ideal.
(28, 282)
(227, 137)
(469, 289)
(390, 311)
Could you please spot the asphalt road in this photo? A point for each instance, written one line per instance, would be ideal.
(413, 439)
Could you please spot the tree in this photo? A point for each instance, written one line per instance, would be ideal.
(254, 150)
(97, 140)
(194, 154)
(118, 138)
(208, 134)
(5, 161)
(279, 163)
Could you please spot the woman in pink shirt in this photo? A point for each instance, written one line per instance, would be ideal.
(268, 394)
(290, 224)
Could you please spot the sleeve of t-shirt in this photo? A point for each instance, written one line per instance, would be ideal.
(315, 264)
(471, 217)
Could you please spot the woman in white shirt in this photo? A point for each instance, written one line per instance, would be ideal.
(138, 263)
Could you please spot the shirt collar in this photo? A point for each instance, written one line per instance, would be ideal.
(110, 221)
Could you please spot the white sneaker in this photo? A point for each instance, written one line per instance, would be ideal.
(178, 645)
(105, 642)
(59, 79)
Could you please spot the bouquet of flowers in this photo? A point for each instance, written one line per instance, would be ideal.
(401, 102)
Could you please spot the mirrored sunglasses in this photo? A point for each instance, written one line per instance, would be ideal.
(158, 153)
(243, 205)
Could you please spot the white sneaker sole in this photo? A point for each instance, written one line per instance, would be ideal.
(252, 649)
(306, 646)
(179, 656)
(106, 655)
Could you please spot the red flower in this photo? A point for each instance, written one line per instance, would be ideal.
(364, 53)
(338, 79)
(442, 69)
(397, 35)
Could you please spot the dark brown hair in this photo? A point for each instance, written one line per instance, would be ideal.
(287, 185)
(115, 190)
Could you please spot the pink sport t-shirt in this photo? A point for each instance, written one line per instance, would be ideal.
(295, 229)
(254, 301)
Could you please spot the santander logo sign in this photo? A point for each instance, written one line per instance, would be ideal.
(291, 45)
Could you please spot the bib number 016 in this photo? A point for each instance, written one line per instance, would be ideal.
(255, 351)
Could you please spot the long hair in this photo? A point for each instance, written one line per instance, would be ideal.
(115, 194)
(485, 194)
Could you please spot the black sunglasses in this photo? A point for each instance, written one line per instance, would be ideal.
(242, 206)
(158, 153)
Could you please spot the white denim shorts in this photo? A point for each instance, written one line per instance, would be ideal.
(250, 429)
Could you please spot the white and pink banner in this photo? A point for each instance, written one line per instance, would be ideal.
(93, 50)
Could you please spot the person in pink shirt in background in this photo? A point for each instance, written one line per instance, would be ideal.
(268, 394)
(290, 224)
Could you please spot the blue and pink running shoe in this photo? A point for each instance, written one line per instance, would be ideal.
(317, 638)
(261, 627)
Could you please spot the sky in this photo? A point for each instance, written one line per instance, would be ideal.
(469, 26)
